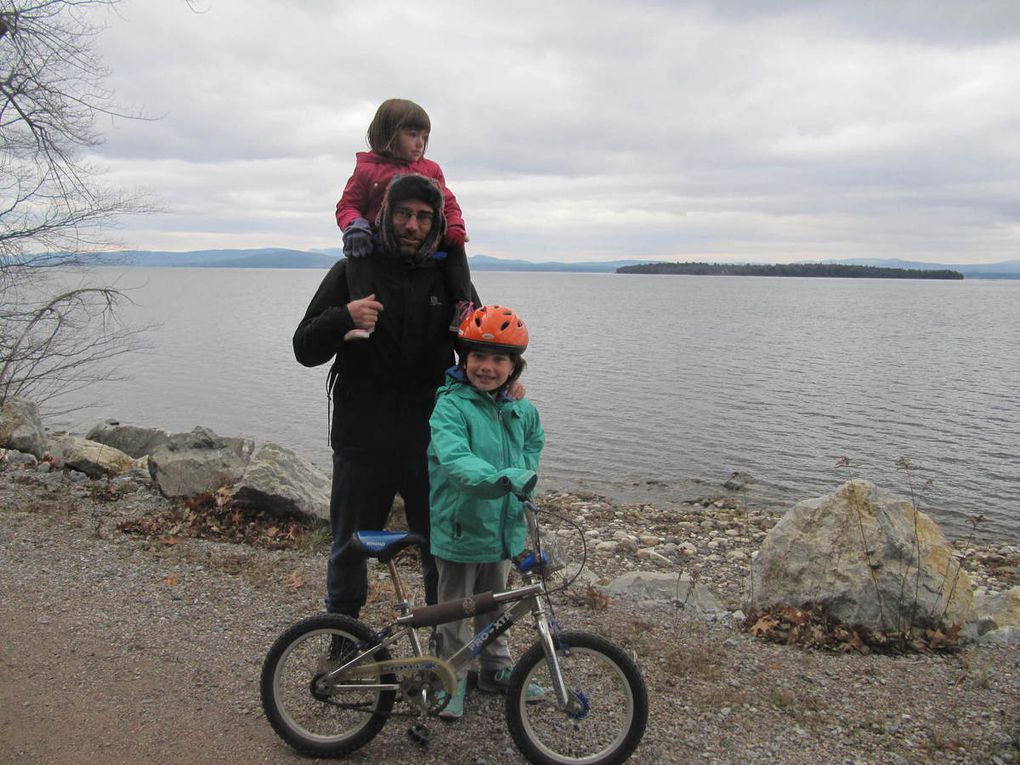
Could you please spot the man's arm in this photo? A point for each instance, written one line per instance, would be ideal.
(320, 334)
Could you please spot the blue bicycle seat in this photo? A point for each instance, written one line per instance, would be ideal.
(383, 545)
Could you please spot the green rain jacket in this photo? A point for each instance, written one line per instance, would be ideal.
(483, 452)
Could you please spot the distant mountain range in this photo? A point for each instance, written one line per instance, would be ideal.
(274, 257)
(285, 258)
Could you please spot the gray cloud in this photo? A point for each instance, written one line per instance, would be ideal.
(757, 131)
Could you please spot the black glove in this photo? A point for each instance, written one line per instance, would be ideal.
(358, 239)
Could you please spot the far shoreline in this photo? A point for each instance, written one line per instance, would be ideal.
(813, 270)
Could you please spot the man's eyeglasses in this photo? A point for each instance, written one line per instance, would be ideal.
(402, 215)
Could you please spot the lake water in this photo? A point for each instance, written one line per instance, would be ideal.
(648, 385)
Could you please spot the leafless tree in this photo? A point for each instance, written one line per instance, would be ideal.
(56, 333)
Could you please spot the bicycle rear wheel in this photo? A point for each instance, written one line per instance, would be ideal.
(308, 712)
(609, 689)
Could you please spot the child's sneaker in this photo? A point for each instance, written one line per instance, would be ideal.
(357, 334)
(455, 709)
(461, 311)
(497, 681)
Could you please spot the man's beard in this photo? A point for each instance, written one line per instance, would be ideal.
(409, 246)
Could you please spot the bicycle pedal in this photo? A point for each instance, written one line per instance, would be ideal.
(419, 734)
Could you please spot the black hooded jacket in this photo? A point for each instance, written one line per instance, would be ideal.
(384, 388)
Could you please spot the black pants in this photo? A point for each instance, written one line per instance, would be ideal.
(360, 500)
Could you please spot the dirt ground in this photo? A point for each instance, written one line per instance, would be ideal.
(122, 648)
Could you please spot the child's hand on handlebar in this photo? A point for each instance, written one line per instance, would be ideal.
(523, 497)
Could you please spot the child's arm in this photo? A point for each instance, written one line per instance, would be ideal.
(456, 230)
(354, 201)
(534, 439)
(351, 212)
(474, 475)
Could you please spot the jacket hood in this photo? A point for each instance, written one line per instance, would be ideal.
(401, 189)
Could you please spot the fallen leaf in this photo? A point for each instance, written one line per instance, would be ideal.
(764, 625)
(171, 580)
(294, 580)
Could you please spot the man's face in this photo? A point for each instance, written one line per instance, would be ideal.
(412, 221)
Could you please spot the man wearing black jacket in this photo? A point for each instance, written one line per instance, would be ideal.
(383, 389)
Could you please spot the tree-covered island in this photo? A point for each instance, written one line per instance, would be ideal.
(830, 270)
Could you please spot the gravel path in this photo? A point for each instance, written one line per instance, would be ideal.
(118, 649)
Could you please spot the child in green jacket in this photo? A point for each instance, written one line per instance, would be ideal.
(484, 453)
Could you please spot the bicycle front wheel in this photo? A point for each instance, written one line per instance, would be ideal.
(308, 711)
(611, 710)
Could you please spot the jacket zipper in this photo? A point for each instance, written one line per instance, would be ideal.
(505, 461)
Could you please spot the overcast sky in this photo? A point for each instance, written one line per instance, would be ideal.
(750, 131)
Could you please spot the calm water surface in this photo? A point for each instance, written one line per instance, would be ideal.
(649, 384)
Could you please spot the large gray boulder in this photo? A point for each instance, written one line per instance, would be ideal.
(869, 557)
(92, 458)
(280, 481)
(20, 427)
(199, 462)
(130, 439)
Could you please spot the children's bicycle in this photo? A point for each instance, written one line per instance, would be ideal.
(330, 683)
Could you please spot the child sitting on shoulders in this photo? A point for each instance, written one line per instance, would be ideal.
(398, 135)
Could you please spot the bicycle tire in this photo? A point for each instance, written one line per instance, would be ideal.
(607, 684)
(312, 720)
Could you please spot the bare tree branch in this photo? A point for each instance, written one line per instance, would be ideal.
(64, 344)
(54, 208)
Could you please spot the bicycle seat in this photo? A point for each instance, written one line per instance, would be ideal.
(383, 545)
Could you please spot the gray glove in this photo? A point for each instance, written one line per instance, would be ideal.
(358, 239)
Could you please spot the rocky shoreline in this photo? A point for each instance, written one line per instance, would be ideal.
(90, 612)
(121, 614)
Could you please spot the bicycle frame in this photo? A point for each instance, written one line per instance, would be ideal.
(525, 600)
(329, 682)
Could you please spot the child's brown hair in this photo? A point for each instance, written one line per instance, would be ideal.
(392, 115)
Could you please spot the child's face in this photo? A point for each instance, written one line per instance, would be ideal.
(488, 370)
(410, 144)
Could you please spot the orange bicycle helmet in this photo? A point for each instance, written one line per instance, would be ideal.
(494, 326)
